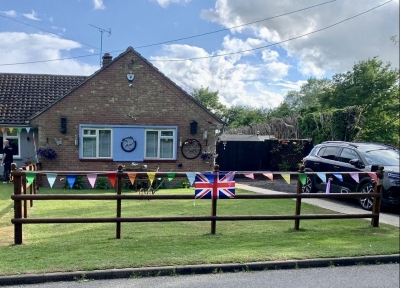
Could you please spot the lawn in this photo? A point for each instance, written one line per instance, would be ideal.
(71, 247)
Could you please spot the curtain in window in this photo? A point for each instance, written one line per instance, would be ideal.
(104, 143)
(151, 144)
(89, 147)
(166, 148)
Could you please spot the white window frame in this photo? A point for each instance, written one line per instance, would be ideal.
(8, 137)
(97, 135)
(160, 138)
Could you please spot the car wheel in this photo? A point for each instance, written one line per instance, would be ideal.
(309, 186)
(367, 203)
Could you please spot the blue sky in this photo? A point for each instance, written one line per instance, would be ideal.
(261, 78)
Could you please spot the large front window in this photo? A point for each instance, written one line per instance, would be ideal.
(97, 143)
(13, 139)
(159, 144)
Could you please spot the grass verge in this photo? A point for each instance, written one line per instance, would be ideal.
(72, 247)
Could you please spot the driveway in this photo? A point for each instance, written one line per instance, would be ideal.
(334, 205)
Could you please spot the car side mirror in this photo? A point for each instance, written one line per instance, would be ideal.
(357, 163)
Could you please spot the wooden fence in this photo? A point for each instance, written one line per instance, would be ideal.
(21, 217)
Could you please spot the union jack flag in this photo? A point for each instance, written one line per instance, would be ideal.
(215, 186)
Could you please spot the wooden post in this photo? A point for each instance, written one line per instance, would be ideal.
(214, 201)
(119, 187)
(25, 201)
(376, 207)
(298, 200)
(17, 211)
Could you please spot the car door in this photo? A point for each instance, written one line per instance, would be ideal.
(330, 156)
(343, 165)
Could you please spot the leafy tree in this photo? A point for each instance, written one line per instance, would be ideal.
(237, 116)
(210, 100)
(374, 86)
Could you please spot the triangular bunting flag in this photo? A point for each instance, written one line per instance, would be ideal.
(151, 176)
(30, 176)
(11, 129)
(269, 175)
(171, 176)
(355, 176)
(191, 176)
(71, 180)
(249, 175)
(328, 187)
(373, 176)
(92, 179)
(51, 177)
(286, 177)
(303, 178)
(3, 129)
(28, 129)
(19, 129)
(338, 176)
(322, 176)
(230, 176)
(132, 177)
(112, 177)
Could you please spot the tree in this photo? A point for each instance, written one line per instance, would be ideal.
(374, 86)
(210, 100)
(237, 116)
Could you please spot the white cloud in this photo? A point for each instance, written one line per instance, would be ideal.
(99, 5)
(32, 16)
(333, 50)
(10, 13)
(17, 47)
(165, 3)
(238, 82)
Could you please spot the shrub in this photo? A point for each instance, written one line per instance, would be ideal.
(101, 183)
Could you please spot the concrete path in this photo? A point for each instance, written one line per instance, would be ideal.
(334, 205)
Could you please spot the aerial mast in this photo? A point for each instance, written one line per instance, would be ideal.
(101, 38)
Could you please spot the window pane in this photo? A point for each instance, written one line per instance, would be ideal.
(331, 153)
(13, 133)
(14, 145)
(166, 148)
(89, 147)
(89, 132)
(105, 143)
(167, 133)
(347, 155)
(151, 144)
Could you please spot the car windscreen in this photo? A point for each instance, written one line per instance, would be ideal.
(382, 157)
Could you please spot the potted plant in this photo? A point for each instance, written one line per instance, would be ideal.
(47, 153)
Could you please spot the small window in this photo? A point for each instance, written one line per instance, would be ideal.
(321, 151)
(13, 138)
(348, 154)
(330, 153)
(160, 144)
(96, 143)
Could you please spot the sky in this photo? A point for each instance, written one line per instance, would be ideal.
(252, 52)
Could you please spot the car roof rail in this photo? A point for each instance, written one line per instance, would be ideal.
(340, 142)
(381, 144)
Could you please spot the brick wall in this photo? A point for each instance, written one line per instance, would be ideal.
(106, 98)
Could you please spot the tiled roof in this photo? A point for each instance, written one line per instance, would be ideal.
(23, 95)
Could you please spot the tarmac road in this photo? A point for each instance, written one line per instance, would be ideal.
(370, 276)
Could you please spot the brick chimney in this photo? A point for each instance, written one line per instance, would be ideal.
(107, 59)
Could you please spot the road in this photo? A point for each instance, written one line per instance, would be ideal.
(371, 276)
(341, 206)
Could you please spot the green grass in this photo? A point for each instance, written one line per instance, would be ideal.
(71, 247)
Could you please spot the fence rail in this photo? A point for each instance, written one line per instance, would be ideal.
(20, 219)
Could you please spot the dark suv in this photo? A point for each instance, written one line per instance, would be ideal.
(339, 156)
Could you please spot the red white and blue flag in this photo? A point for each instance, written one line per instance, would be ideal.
(218, 185)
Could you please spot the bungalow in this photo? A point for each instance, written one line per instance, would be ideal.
(128, 111)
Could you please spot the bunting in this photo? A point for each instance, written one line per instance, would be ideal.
(30, 176)
(328, 187)
(92, 179)
(112, 177)
(3, 129)
(171, 176)
(51, 177)
(373, 176)
(303, 178)
(191, 176)
(19, 129)
(249, 175)
(71, 180)
(286, 177)
(338, 176)
(355, 176)
(28, 129)
(322, 176)
(151, 176)
(269, 175)
(11, 129)
(132, 177)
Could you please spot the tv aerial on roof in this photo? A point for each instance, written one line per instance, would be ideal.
(101, 38)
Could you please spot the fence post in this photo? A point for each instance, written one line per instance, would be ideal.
(298, 200)
(376, 207)
(119, 187)
(17, 211)
(214, 200)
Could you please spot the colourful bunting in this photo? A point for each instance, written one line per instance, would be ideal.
(249, 175)
(171, 176)
(19, 129)
(11, 129)
(269, 175)
(338, 176)
(151, 176)
(322, 176)
(191, 176)
(92, 179)
(286, 177)
(3, 129)
(30, 176)
(132, 177)
(28, 129)
(373, 176)
(112, 177)
(71, 180)
(328, 187)
(230, 176)
(303, 178)
(51, 177)
(355, 176)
